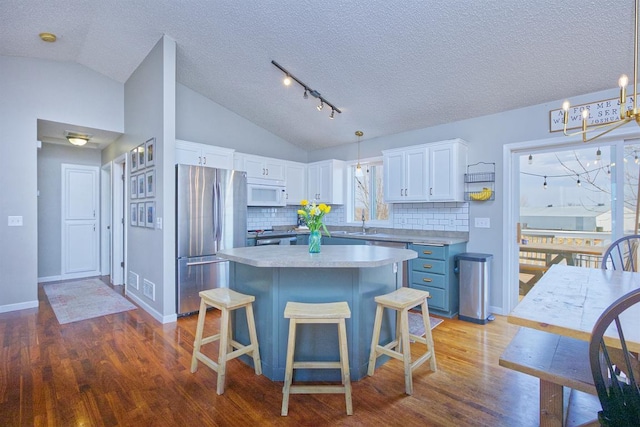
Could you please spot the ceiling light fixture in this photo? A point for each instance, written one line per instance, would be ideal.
(78, 139)
(358, 167)
(48, 37)
(307, 90)
(626, 115)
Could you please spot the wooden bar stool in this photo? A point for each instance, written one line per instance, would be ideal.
(225, 300)
(334, 312)
(402, 300)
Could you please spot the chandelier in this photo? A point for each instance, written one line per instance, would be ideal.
(626, 115)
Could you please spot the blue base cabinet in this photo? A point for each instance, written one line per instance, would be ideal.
(433, 272)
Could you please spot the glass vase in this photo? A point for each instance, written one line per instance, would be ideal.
(315, 240)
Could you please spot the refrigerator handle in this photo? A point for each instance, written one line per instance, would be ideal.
(191, 264)
(217, 214)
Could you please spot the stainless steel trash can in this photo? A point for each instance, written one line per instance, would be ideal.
(474, 271)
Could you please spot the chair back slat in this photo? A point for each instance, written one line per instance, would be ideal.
(614, 369)
(622, 254)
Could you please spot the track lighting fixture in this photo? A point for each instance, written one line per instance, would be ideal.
(530, 159)
(307, 90)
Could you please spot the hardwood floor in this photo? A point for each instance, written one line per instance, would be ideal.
(127, 369)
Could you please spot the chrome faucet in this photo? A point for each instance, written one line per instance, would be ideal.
(364, 230)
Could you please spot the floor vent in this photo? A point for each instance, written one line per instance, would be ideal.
(133, 280)
(149, 289)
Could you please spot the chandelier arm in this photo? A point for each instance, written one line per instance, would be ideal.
(609, 129)
(591, 129)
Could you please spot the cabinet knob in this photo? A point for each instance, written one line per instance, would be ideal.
(205, 160)
(427, 266)
(426, 279)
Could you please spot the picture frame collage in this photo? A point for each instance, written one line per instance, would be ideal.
(142, 185)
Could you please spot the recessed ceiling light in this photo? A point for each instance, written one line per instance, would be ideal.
(48, 37)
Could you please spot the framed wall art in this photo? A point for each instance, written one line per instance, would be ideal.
(133, 215)
(150, 151)
(141, 222)
(150, 179)
(134, 159)
(133, 187)
(141, 157)
(150, 211)
(141, 185)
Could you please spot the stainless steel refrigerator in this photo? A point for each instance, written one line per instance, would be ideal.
(211, 215)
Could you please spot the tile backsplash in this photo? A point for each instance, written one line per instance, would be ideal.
(449, 216)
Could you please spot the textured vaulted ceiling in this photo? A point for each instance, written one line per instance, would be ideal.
(390, 66)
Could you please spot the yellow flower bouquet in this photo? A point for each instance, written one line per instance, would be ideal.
(313, 215)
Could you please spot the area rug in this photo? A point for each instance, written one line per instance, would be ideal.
(84, 299)
(416, 325)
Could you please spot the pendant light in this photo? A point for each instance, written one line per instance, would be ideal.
(359, 173)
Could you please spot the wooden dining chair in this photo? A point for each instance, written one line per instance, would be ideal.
(616, 370)
(622, 254)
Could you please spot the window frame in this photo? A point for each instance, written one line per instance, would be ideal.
(350, 194)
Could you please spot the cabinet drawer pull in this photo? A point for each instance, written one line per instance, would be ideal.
(426, 279)
(427, 266)
(427, 252)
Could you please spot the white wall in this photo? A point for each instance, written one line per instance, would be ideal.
(149, 106)
(50, 160)
(198, 119)
(32, 89)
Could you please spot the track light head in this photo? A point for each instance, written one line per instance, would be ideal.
(287, 80)
(306, 94)
(332, 113)
(320, 106)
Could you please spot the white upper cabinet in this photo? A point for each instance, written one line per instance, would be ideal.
(193, 153)
(447, 164)
(296, 182)
(405, 174)
(427, 172)
(326, 182)
(260, 167)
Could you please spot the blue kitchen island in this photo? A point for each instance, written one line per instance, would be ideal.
(278, 274)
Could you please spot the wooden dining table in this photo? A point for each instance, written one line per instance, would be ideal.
(558, 316)
(568, 300)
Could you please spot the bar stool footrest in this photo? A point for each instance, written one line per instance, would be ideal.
(313, 389)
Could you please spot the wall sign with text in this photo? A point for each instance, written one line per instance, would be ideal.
(600, 112)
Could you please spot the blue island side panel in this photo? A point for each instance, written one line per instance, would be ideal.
(273, 287)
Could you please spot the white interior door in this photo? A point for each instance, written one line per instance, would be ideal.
(118, 203)
(80, 221)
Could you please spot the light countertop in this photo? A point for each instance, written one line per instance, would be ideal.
(331, 256)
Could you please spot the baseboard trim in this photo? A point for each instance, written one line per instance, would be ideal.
(18, 306)
(153, 312)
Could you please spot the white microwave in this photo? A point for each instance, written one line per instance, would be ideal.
(265, 192)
